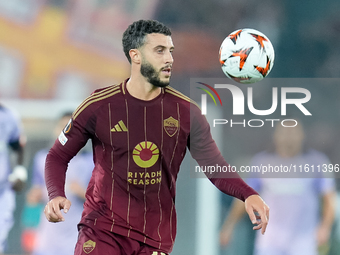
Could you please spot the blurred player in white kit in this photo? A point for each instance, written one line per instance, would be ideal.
(297, 225)
(12, 178)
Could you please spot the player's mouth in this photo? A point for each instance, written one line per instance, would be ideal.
(166, 71)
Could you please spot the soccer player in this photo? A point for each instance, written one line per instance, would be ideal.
(298, 229)
(10, 181)
(139, 130)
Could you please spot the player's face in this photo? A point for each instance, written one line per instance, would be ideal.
(157, 59)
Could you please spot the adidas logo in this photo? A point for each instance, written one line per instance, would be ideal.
(120, 127)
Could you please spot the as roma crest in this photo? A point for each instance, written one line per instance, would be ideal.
(89, 246)
(170, 126)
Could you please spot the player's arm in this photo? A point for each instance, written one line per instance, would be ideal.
(55, 175)
(327, 218)
(68, 144)
(205, 151)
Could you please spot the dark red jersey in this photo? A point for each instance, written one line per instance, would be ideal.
(138, 147)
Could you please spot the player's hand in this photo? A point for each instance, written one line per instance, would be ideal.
(53, 209)
(18, 178)
(258, 212)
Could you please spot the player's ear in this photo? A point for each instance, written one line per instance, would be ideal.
(135, 56)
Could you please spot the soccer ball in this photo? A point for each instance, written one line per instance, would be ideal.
(246, 55)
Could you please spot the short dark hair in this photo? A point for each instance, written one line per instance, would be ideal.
(134, 35)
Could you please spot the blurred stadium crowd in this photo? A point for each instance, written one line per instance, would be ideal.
(54, 53)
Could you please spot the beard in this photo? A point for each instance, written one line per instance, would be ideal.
(152, 75)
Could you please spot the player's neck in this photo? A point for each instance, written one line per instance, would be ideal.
(138, 87)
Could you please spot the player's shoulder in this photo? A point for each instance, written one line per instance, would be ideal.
(104, 93)
(97, 98)
(105, 90)
(180, 97)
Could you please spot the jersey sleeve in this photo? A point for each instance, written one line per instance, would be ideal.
(205, 151)
(71, 139)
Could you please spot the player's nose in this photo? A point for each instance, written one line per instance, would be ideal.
(168, 57)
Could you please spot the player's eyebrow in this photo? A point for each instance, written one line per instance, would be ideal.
(164, 47)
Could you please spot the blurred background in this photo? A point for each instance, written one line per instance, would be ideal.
(54, 53)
